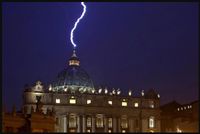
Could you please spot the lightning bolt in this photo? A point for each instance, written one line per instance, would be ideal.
(76, 23)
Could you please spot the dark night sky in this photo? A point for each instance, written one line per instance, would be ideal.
(121, 45)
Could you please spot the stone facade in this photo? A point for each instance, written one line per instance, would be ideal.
(99, 112)
(180, 118)
(28, 122)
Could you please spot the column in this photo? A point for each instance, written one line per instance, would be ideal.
(84, 125)
(64, 124)
(61, 124)
(93, 123)
(119, 125)
(105, 124)
(78, 123)
(81, 122)
(67, 121)
(130, 124)
(114, 125)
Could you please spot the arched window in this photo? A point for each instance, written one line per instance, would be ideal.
(151, 122)
(89, 122)
(109, 122)
(99, 121)
(72, 121)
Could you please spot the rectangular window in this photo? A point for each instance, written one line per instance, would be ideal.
(57, 100)
(110, 102)
(89, 101)
(136, 104)
(72, 101)
(124, 103)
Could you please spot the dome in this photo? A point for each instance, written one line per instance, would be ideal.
(73, 77)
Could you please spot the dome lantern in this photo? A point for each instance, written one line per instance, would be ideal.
(74, 59)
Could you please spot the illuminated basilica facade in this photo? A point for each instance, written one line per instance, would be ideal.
(79, 107)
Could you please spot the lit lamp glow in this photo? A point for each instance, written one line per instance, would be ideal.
(118, 91)
(113, 92)
(100, 90)
(106, 91)
(158, 96)
(129, 93)
(50, 87)
(142, 93)
(93, 91)
(178, 130)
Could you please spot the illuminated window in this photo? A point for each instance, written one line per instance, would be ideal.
(88, 130)
(110, 102)
(57, 100)
(109, 131)
(188, 107)
(136, 104)
(72, 101)
(151, 104)
(184, 107)
(181, 108)
(178, 109)
(89, 122)
(124, 123)
(151, 122)
(89, 101)
(99, 121)
(109, 122)
(72, 121)
(124, 103)
(74, 62)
